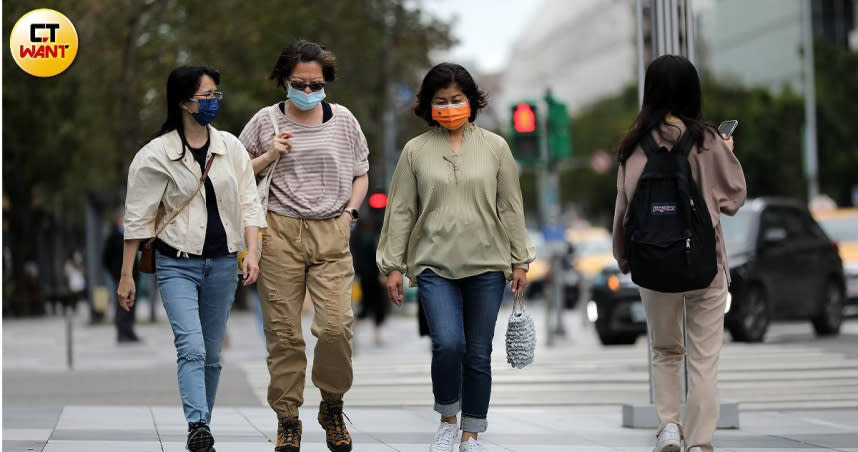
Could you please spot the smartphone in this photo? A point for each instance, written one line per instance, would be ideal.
(728, 127)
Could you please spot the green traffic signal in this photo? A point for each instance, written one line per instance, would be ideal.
(559, 136)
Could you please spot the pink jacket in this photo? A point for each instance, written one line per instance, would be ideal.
(716, 170)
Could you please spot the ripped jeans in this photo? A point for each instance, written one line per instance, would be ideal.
(197, 295)
(306, 258)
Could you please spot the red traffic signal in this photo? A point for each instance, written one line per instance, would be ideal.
(523, 118)
(378, 200)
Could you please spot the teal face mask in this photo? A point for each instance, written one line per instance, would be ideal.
(304, 101)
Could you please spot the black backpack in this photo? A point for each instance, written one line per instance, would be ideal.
(670, 241)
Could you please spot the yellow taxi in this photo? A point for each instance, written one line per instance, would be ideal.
(593, 250)
(841, 225)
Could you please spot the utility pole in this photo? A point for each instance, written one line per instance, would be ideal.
(389, 115)
(810, 157)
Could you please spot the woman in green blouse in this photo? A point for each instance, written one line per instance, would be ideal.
(455, 225)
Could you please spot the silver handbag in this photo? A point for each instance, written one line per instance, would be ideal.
(520, 334)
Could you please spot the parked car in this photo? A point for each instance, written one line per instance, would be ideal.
(593, 250)
(783, 266)
(842, 226)
(540, 273)
(615, 307)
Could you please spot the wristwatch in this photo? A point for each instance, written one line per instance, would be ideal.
(353, 213)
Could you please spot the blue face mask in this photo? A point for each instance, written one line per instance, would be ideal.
(303, 100)
(207, 112)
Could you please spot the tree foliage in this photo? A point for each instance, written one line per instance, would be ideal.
(768, 139)
(74, 134)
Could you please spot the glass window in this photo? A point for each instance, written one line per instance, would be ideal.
(797, 226)
(841, 229)
(772, 218)
(737, 231)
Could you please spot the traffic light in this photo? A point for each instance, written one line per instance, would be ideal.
(525, 133)
(378, 200)
(559, 139)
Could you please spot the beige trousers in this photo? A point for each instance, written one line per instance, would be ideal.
(306, 257)
(705, 332)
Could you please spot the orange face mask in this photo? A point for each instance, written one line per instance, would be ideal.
(451, 117)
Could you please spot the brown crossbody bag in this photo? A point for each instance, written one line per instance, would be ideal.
(147, 258)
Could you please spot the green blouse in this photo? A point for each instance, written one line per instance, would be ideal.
(458, 214)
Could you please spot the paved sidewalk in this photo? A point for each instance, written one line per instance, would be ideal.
(124, 398)
(248, 429)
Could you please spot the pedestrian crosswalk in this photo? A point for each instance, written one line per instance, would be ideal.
(758, 377)
(795, 393)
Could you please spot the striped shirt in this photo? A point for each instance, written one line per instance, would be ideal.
(458, 214)
(314, 180)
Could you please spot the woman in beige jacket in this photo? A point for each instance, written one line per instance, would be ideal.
(196, 263)
(672, 107)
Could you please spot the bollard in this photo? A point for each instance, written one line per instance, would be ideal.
(557, 292)
(69, 339)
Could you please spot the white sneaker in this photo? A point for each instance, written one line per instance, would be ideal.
(695, 449)
(472, 445)
(445, 438)
(669, 440)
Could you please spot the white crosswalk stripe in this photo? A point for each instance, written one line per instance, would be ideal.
(758, 377)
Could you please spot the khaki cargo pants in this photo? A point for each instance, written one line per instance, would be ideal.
(306, 257)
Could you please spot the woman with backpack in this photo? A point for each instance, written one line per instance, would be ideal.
(667, 233)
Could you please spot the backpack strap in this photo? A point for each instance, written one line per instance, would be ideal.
(649, 145)
(684, 145)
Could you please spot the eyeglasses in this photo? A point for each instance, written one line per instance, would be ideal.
(212, 95)
(301, 86)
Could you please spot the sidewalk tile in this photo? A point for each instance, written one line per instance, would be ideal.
(103, 446)
(26, 434)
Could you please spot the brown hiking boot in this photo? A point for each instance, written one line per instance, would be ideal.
(288, 434)
(336, 434)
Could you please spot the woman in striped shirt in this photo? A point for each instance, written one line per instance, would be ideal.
(318, 155)
(455, 225)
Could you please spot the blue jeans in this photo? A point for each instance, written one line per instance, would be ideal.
(197, 294)
(461, 314)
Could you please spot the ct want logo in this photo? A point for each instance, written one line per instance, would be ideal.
(43, 42)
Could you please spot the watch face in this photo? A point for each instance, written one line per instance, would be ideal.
(354, 213)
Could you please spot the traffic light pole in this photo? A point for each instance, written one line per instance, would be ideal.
(550, 219)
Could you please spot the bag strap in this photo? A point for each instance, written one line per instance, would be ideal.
(684, 145)
(649, 145)
(518, 303)
(187, 203)
(273, 118)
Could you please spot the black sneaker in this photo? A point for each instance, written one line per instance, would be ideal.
(200, 438)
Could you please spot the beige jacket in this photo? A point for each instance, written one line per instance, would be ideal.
(159, 183)
(716, 170)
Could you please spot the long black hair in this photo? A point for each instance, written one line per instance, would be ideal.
(671, 86)
(182, 84)
(444, 75)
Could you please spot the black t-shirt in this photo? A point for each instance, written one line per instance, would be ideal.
(215, 243)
